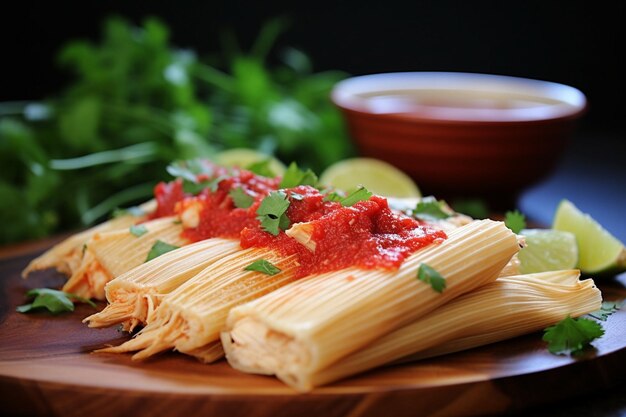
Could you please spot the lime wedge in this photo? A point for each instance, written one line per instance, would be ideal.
(377, 176)
(599, 251)
(547, 250)
(245, 158)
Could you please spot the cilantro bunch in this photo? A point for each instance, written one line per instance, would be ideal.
(136, 103)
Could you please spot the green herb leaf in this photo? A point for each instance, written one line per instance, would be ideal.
(360, 194)
(132, 211)
(159, 248)
(431, 209)
(430, 276)
(241, 199)
(197, 187)
(54, 301)
(194, 188)
(138, 230)
(571, 335)
(263, 168)
(608, 308)
(140, 151)
(272, 212)
(261, 265)
(189, 169)
(515, 221)
(294, 177)
(334, 196)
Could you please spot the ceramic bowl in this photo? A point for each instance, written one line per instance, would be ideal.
(461, 134)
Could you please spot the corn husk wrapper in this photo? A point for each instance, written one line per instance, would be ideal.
(108, 255)
(134, 296)
(507, 308)
(313, 323)
(66, 256)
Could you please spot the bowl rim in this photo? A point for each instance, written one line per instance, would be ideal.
(346, 95)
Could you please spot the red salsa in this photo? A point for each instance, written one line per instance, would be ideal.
(217, 214)
(367, 234)
(219, 217)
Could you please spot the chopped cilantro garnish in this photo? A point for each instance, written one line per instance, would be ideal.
(263, 168)
(188, 170)
(133, 211)
(294, 176)
(515, 221)
(272, 212)
(608, 308)
(138, 230)
(430, 209)
(261, 265)
(241, 199)
(360, 194)
(571, 335)
(197, 186)
(54, 301)
(159, 248)
(430, 276)
(334, 196)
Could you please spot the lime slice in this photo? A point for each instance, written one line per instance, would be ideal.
(244, 158)
(547, 250)
(377, 176)
(599, 251)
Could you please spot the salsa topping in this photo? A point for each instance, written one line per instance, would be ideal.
(367, 234)
(324, 233)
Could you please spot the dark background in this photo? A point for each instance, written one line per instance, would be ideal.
(579, 43)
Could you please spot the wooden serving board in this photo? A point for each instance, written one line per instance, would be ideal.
(46, 369)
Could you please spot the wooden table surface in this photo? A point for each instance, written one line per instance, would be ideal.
(46, 369)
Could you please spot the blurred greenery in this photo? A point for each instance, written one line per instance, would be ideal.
(136, 103)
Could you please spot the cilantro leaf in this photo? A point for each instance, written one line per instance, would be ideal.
(263, 168)
(133, 211)
(272, 212)
(188, 170)
(264, 266)
(430, 209)
(159, 248)
(515, 221)
(360, 194)
(294, 176)
(571, 335)
(54, 301)
(138, 230)
(241, 199)
(430, 276)
(608, 308)
(333, 196)
(198, 186)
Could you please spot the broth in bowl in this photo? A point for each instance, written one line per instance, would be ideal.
(458, 96)
(461, 134)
